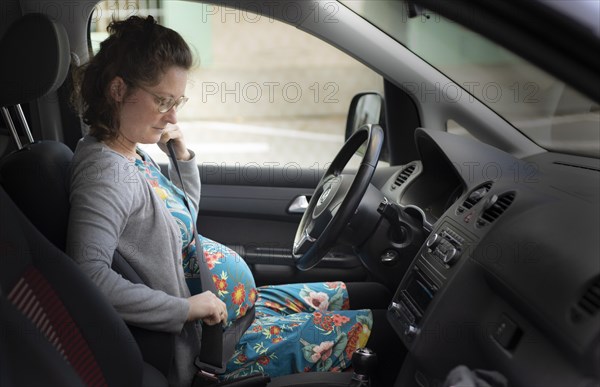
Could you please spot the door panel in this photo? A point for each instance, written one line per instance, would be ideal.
(254, 220)
(265, 202)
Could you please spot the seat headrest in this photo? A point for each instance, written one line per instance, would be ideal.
(35, 59)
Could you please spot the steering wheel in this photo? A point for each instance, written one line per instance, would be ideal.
(336, 198)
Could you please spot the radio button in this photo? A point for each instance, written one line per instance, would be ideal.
(433, 241)
(411, 331)
(450, 255)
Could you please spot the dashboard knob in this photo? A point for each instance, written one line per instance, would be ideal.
(450, 255)
(433, 241)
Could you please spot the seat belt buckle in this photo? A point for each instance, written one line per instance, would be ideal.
(208, 369)
(204, 379)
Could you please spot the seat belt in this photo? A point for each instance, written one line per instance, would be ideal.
(218, 344)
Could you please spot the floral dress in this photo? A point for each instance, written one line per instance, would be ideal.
(297, 327)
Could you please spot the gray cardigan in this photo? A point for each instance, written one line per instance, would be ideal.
(114, 207)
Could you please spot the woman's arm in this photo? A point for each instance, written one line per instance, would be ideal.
(101, 204)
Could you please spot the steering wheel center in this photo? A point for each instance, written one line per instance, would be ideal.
(330, 189)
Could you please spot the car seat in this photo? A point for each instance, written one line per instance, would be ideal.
(56, 326)
(29, 42)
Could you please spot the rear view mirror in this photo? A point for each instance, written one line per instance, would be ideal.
(366, 108)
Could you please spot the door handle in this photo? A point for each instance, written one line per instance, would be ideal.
(298, 205)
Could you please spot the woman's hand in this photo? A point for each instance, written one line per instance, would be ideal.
(207, 307)
(172, 132)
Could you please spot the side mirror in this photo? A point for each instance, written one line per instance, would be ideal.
(366, 108)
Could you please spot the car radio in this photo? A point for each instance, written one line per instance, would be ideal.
(428, 275)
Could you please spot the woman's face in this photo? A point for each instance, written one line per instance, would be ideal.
(140, 120)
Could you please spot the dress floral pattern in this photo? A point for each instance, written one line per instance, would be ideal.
(301, 328)
(297, 327)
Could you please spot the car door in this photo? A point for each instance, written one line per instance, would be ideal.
(267, 113)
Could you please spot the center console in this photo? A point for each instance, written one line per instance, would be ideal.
(435, 262)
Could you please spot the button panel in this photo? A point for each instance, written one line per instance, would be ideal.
(445, 245)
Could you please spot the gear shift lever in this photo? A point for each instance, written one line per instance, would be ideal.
(364, 362)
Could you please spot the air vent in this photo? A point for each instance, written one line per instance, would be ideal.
(590, 302)
(474, 197)
(403, 176)
(495, 207)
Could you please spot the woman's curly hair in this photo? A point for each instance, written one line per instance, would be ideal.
(138, 50)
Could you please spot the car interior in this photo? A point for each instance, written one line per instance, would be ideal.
(472, 231)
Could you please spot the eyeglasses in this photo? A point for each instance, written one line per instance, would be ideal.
(167, 103)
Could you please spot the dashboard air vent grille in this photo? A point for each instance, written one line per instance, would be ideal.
(403, 176)
(475, 197)
(496, 207)
(590, 301)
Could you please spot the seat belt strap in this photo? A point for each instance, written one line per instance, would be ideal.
(217, 345)
(211, 348)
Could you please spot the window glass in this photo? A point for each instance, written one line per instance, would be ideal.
(264, 92)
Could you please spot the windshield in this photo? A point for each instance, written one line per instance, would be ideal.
(545, 109)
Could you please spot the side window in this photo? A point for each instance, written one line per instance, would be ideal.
(263, 91)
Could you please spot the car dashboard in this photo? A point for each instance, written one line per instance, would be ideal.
(508, 278)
